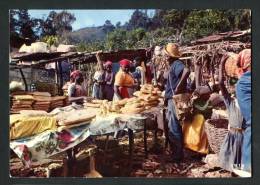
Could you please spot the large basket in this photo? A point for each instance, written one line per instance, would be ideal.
(216, 130)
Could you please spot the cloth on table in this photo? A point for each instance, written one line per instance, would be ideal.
(24, 126)
(49, 143)
(194, 135)
(40, 147)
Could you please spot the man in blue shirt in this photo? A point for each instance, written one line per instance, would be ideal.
(176, 84)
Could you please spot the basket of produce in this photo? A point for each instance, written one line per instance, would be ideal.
(216, 130)
(231, 65)
(182, 104)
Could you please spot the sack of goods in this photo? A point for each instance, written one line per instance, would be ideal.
(183, 105)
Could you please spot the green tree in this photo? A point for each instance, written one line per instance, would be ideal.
(108, 26)
(62, 22)
(139, 19)
(48, 25)
(25, 25)
(205, 22)
(116, 40)
(118, 24)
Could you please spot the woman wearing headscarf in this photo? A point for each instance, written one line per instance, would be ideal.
(76, 92)
(230, 151)
(97, 91)
(243, 92)
(108, 82)
(124, 82)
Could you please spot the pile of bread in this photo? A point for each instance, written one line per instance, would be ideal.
(145, 99)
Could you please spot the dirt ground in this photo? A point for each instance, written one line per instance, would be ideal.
(114, 162)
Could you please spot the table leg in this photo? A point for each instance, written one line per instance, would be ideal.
(155, 132)
(65, 171)
(106, 145)
(165, 130)
(71, 162)
(131, 143)
(145, 139)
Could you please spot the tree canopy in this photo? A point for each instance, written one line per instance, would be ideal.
(168, 25)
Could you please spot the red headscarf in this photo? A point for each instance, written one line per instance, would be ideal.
(108, 63)
(75, 74)
(244, 60)
(124, 62)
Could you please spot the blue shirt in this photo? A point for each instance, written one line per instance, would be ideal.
(173, 78)
(243, 92)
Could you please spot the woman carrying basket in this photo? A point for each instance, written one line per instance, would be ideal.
(230, 151)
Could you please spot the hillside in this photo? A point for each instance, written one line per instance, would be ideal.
(87, 34)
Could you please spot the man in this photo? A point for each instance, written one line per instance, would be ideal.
(176, 84)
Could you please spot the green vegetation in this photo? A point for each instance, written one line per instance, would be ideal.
(140, 31)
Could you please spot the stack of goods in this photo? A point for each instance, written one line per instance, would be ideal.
(21, 102)
(29, 123)
(57, 101)
(145, 99)
(42, 101)
(94, 103)
(73, 118)
(149, 95)
(133, 106)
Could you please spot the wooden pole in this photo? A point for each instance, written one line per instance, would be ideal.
(24, 80)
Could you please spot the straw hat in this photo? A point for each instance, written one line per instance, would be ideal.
(172, 49)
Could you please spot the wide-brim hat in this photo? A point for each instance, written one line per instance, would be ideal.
(172, 50)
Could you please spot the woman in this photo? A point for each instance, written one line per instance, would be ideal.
(98, 81)
(75, 91)
(108, 82)
(230, 151)
(243, 92)
(139, 73)
(124, 82)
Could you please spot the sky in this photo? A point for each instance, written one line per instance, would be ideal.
(87, 18)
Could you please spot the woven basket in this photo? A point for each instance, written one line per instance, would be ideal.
(231, 65)
(216, 130)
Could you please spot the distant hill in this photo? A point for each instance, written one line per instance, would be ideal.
(87, 34)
